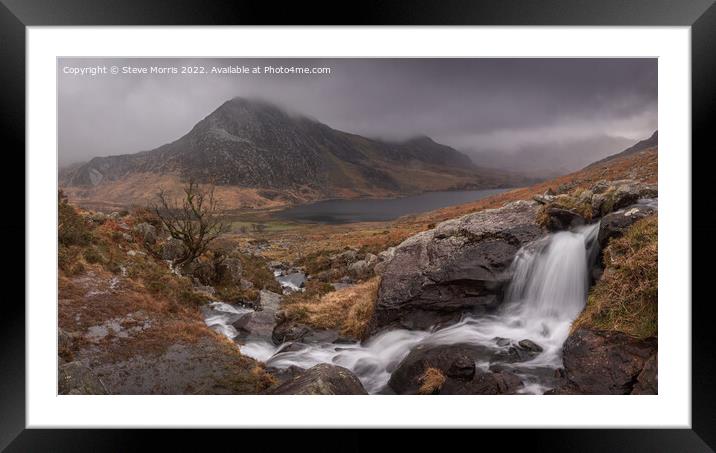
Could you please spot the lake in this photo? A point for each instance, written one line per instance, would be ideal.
(372, 210)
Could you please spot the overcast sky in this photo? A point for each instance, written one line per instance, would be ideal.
(474, 105)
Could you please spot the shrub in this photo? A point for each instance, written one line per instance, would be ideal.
(71, 227)
(349, 309)
(625, 299)
(195, 220)
(431, 381)
(93, 256)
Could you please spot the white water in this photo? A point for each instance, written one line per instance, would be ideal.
(548, 290)
(219, 316)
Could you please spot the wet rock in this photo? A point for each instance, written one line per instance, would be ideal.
(285, 374)
(515, 354)
(321, 336)
(529, 345)
(483, 383)
(605, 363)
(647, 381)
(147, 232)
(460, 266)
(269, 300)
(291, 346)
(559, 219)
(292, 282)
(499, 341)
(259, 324)
(615, 224)
(463, 367)
(289, 331)
(457, 362)
(76, 379)
(322, 379)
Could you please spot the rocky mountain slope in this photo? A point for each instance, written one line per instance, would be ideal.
(252, 145)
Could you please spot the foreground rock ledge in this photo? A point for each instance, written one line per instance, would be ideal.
(608, 363)
(460, 266)
(322, 379)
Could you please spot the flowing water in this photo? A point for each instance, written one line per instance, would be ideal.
(547, 292)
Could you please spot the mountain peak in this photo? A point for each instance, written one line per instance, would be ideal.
(253, 143)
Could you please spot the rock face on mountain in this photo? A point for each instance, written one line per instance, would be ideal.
(253, 144)
(460, 266)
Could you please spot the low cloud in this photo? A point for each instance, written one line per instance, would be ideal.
(476, 105)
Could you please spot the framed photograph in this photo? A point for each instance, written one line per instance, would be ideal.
(454, 216)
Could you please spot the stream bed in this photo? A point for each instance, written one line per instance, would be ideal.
(547, 292)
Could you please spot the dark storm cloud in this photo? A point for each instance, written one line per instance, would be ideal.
(475, 105)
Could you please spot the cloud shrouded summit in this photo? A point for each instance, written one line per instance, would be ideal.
(508, 108)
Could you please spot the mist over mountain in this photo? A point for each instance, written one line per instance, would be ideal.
(254, 144)
(545, 160)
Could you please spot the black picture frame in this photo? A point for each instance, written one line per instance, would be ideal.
(700, 15)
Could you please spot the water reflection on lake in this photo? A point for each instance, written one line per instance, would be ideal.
(347, 211)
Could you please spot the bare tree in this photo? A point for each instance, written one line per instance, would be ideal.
(195, 220)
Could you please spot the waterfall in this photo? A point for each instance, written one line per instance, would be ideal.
(546, 293)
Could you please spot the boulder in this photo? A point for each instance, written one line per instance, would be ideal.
(455, 361)
(457, 364)
(229, 271)
(346, 257)
(383, 258)
(646, 382)
(615, 224)
(98, 217)
(202, 271)
(627, 192)
(545, 198)
(76, 379)
(322, 379)
(559, 219)
(288, 331)
(259, 324)
(363, 268)
(147, 232)
(529, 345)
(600, 187)
(285, 374)
(484, 383)
(606, 363)
(460, 266)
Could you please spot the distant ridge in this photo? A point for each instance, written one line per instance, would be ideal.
(252, 144)
(651, 142)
